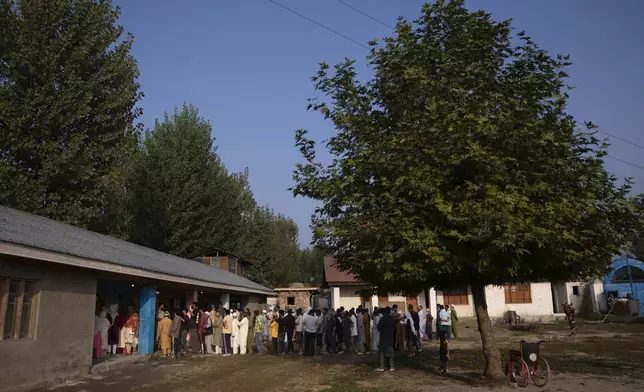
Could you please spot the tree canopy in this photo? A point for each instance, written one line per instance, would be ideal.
(71, 148)
(68, 96)
(457, 164)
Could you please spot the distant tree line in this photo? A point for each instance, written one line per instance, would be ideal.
(72, 149)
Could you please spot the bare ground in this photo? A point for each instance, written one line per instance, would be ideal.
(600, 357)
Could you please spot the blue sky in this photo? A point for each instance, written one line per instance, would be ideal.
(246, 64)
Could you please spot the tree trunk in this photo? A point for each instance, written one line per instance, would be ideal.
(493, 368)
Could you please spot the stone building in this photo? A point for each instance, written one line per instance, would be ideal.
(297, 295)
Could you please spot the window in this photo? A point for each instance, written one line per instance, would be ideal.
(17, 308)
(232, 265)
(518, 294)
(621, 275)
(290, 300)
(575, 290)
(456, 297)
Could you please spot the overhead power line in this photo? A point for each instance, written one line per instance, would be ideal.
(626, 162)
(320, 24)
(393, 28)
(367, 15)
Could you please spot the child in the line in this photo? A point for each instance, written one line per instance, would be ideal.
(444, 350)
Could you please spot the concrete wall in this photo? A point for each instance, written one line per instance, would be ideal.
(461, 310)
(302, 299)
(348, 297)
(541, 306)
(62, 344)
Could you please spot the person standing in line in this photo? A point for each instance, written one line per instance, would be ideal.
(386, 327)
(235, 335)
(289, 328)
(131, 329)
(360, 328)
(319, 330)
(299, 325)
(175, 332)
(339, 330)
(416, 338)
(201, 325)
(193, 330)
(217, 331)
(309, 324)
(281, 332)
(421, 317)
(244, 325)
(207, 333)
(354, 332)
(227, 327)
(400, 332)
(330, 339)
(449, 321)
(410, 330)
(453, 318)
(258, 331)
(265, 326)
(366, 319)
(275, 335)
(375, 332)
(443, 320)
(346, 332)
(163, 334)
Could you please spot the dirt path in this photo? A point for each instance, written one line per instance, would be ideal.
(332, 374)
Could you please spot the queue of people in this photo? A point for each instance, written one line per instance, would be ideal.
(226, 332)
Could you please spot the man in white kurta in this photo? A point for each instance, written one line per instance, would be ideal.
(242, 334)
(421, 316)
(235, 335)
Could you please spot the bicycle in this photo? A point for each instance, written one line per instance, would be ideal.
(527, 363)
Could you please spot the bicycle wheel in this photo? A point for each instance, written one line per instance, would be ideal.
(517, 371)
(541, 373)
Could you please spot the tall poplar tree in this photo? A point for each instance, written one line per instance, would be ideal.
(68, 95)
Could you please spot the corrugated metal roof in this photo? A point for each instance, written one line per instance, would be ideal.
(333, 274)
(26, 229)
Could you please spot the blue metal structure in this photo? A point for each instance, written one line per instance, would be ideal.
(147, 320)
(626, 278)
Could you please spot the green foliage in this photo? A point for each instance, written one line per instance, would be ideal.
(184, 201)
(457, 163)
(68, 95)
(635, 247)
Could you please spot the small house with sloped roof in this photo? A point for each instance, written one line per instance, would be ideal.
(54, 279)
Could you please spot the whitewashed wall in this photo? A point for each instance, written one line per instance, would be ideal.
(348, 297)
(461, 310)
(541, 301)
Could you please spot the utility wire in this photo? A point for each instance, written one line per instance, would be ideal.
(367, 15)
(626, 162)
(320, 24)
(622, 139)
(393, 28)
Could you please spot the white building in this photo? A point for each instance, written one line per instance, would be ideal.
(531, 301)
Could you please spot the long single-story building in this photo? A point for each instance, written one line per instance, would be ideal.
(53, 276)
(531, 301)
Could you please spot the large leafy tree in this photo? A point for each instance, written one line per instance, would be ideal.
(457, 164)
(182, 198)
(68, 95)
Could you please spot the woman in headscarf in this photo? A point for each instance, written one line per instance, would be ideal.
(163, 334)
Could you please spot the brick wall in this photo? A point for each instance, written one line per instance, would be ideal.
(301, 299)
